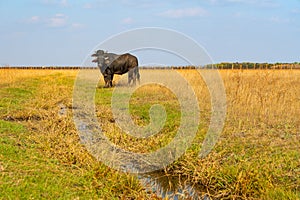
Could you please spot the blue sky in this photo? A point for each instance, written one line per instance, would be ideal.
(62, 32)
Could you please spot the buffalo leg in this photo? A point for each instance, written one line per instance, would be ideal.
(108, 77)
(111, 79)
(130, 74)
(107, 80)
(137, 74)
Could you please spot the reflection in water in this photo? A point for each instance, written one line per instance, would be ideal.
(171, 186)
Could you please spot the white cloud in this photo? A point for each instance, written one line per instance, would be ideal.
(142, 3)
(58, 20)
(48, 1)
(186, 12)
(232, 1)
(241, 1)
(87, 6)
(279, 20)
(127, 20)
(34, 19)
(62, 3)
(77, 25)
(295, 11)
(237, 14)
(98, 4)
(259, 3)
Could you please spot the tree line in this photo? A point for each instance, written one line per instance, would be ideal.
(249, 65)
(222, 65)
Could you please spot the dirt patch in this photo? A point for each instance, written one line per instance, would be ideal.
(22, 118)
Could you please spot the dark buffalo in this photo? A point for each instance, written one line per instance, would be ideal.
(110, 64)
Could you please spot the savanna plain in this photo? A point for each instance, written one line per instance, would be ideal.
(257, 155)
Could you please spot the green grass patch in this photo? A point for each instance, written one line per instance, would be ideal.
(14, 96)
(36, 160)
(26, 174)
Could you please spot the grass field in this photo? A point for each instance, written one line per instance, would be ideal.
(256, 157)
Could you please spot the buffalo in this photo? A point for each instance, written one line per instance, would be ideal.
(110, 64)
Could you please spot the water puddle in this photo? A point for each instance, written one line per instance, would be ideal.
(175, 187)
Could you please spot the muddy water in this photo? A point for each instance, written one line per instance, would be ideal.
(168, 186)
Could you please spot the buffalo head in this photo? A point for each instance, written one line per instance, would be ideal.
(99, 57)
(98, 53)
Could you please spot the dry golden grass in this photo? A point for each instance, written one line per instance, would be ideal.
(263, 95)
(9, 76)
(258, 151)
(256, 157)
